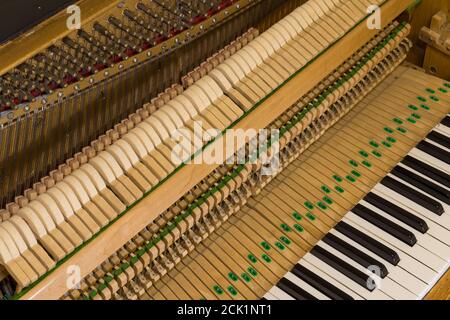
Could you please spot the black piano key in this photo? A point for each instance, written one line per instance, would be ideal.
(343, 267)
(439, 138)
(353, 253)
(422, 184)
(434, 151)
(446, 121)
(386, 225)
(320, 284)
(294, 291)
(425, 169)
(371, 244)
(397, 212)
(413, 195)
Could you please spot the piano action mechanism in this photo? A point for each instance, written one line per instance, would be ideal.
(347, 197)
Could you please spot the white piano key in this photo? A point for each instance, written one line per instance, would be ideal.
(338, 276)
(422, 175)
(443, 129)
(435, 230)
(425, 157)
(436, 239)
(444, 205)
(428, 163)
(427, 258)
(385, 191)
(437, 144)
(270, 296)
(344, 280)
(280, 294)
(305, 286)
(439, 130)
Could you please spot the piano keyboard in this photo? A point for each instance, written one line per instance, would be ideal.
(303, 237)
(400, 231)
